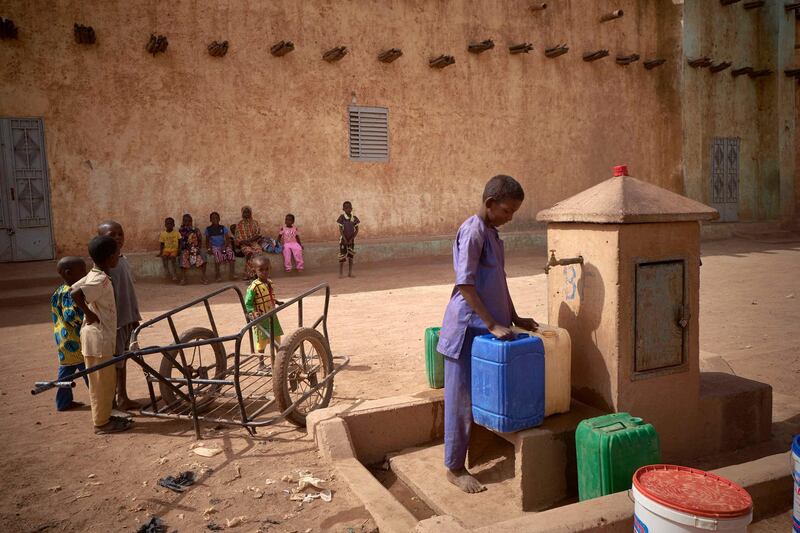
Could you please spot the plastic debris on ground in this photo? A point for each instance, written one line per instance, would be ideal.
(235, 521)
(154, 525)
(208, 512)
(178, 483)
(206, 452)
(301, 492)
(213, 526)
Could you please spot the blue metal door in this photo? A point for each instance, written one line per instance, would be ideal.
(725, 177)
(25, 232)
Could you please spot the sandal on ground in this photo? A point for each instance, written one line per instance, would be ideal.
(179, 483)
(114, 425)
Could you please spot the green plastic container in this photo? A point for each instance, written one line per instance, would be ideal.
(609, 450)
(434, 361)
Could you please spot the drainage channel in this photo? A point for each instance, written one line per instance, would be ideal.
(401, 492)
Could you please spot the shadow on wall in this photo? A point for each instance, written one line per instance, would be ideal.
(587, 359)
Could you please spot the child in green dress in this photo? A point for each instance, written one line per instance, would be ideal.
(259, 300)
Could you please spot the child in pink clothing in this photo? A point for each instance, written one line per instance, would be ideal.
(292, 247)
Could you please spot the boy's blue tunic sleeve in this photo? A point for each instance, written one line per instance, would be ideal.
(478, 260)
(469, 245)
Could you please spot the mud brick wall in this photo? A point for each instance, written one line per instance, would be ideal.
(139, 137)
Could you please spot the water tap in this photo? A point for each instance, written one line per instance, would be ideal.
(556, 262)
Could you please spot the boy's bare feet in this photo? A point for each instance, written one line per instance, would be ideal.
(462, 479)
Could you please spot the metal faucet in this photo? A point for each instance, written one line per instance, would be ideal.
(556, 262)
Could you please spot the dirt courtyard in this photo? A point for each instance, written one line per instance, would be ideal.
(58, 476)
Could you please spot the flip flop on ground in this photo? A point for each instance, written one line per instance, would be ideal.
(114, 425)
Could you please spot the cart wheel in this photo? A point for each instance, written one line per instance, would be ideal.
(304, 359)
(204, 361)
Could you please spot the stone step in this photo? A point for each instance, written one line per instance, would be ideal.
(15, 276)
(422, 469)
(24, 296)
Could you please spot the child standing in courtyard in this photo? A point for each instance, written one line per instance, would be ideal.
(94, 295)
(480, 302)
(168, 248)
(292, 247)
(67, 320)
(191, 240)
(128, 316)
(220, 245)
(348, 229)
(260, 299)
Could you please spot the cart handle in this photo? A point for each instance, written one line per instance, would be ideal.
(192, 303)
(42, 386)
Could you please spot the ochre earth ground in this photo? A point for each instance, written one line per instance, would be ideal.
(58, 476)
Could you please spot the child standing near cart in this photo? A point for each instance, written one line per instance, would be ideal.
(348, 229)
(128, 316)
(480, 302)
(260, 299)
(219, 243)
(292, 247)
(94, 295)
(67, 320)
(168, 248)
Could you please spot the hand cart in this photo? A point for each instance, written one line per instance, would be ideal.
(197, 380)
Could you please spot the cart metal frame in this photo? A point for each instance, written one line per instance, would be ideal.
(229, 397)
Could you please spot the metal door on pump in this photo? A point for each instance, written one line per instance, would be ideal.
(25, 232)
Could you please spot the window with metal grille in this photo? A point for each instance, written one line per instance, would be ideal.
(369, 133)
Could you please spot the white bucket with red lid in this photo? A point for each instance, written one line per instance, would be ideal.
(671, 499)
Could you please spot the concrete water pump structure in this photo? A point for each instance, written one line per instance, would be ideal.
(623, 278)
(632, 308)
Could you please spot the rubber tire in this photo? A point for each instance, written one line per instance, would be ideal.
(280, 382)
(192, 334)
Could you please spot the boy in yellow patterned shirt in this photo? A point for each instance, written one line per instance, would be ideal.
(67, 320)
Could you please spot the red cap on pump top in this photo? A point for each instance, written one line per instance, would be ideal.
(692, 491)
(620, 170)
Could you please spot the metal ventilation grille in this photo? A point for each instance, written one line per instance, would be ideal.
(369, 133)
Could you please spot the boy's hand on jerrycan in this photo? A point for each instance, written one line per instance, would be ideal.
(527, 324)
(501, 332)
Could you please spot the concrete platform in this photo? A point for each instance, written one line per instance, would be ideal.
(422, 470)
(544, 452)
(737, 412)
(768, 480)
(350, 436)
